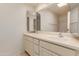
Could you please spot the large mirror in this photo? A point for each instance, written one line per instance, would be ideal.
(55, 17)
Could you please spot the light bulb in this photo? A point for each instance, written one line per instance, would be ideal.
(61, 4)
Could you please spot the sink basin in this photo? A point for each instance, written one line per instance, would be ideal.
(75, 35)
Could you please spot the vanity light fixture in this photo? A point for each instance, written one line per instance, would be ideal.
(61, 4)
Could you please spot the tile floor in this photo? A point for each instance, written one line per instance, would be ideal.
(23, 54)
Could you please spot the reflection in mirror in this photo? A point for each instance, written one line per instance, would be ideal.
(38, 20)
(27, 19)
(68, 22)
(28, 24)
(52, 18)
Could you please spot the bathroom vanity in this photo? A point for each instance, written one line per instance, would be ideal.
(47, 23)
(51, 44)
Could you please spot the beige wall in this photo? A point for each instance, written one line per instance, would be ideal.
(12, 26)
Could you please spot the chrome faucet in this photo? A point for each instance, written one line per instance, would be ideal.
(60, 34)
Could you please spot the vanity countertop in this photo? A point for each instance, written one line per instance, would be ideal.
(65, 41)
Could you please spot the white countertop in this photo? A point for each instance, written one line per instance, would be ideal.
(65, 41)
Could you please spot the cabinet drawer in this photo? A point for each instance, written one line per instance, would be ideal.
(36, 48)
(36, 41)
(58, 49)
(28, 46)
(45, 52)
(28, 38)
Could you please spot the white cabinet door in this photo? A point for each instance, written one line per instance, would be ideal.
(57, 49)
(45, 52)
(28, 46)
(36, 49)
